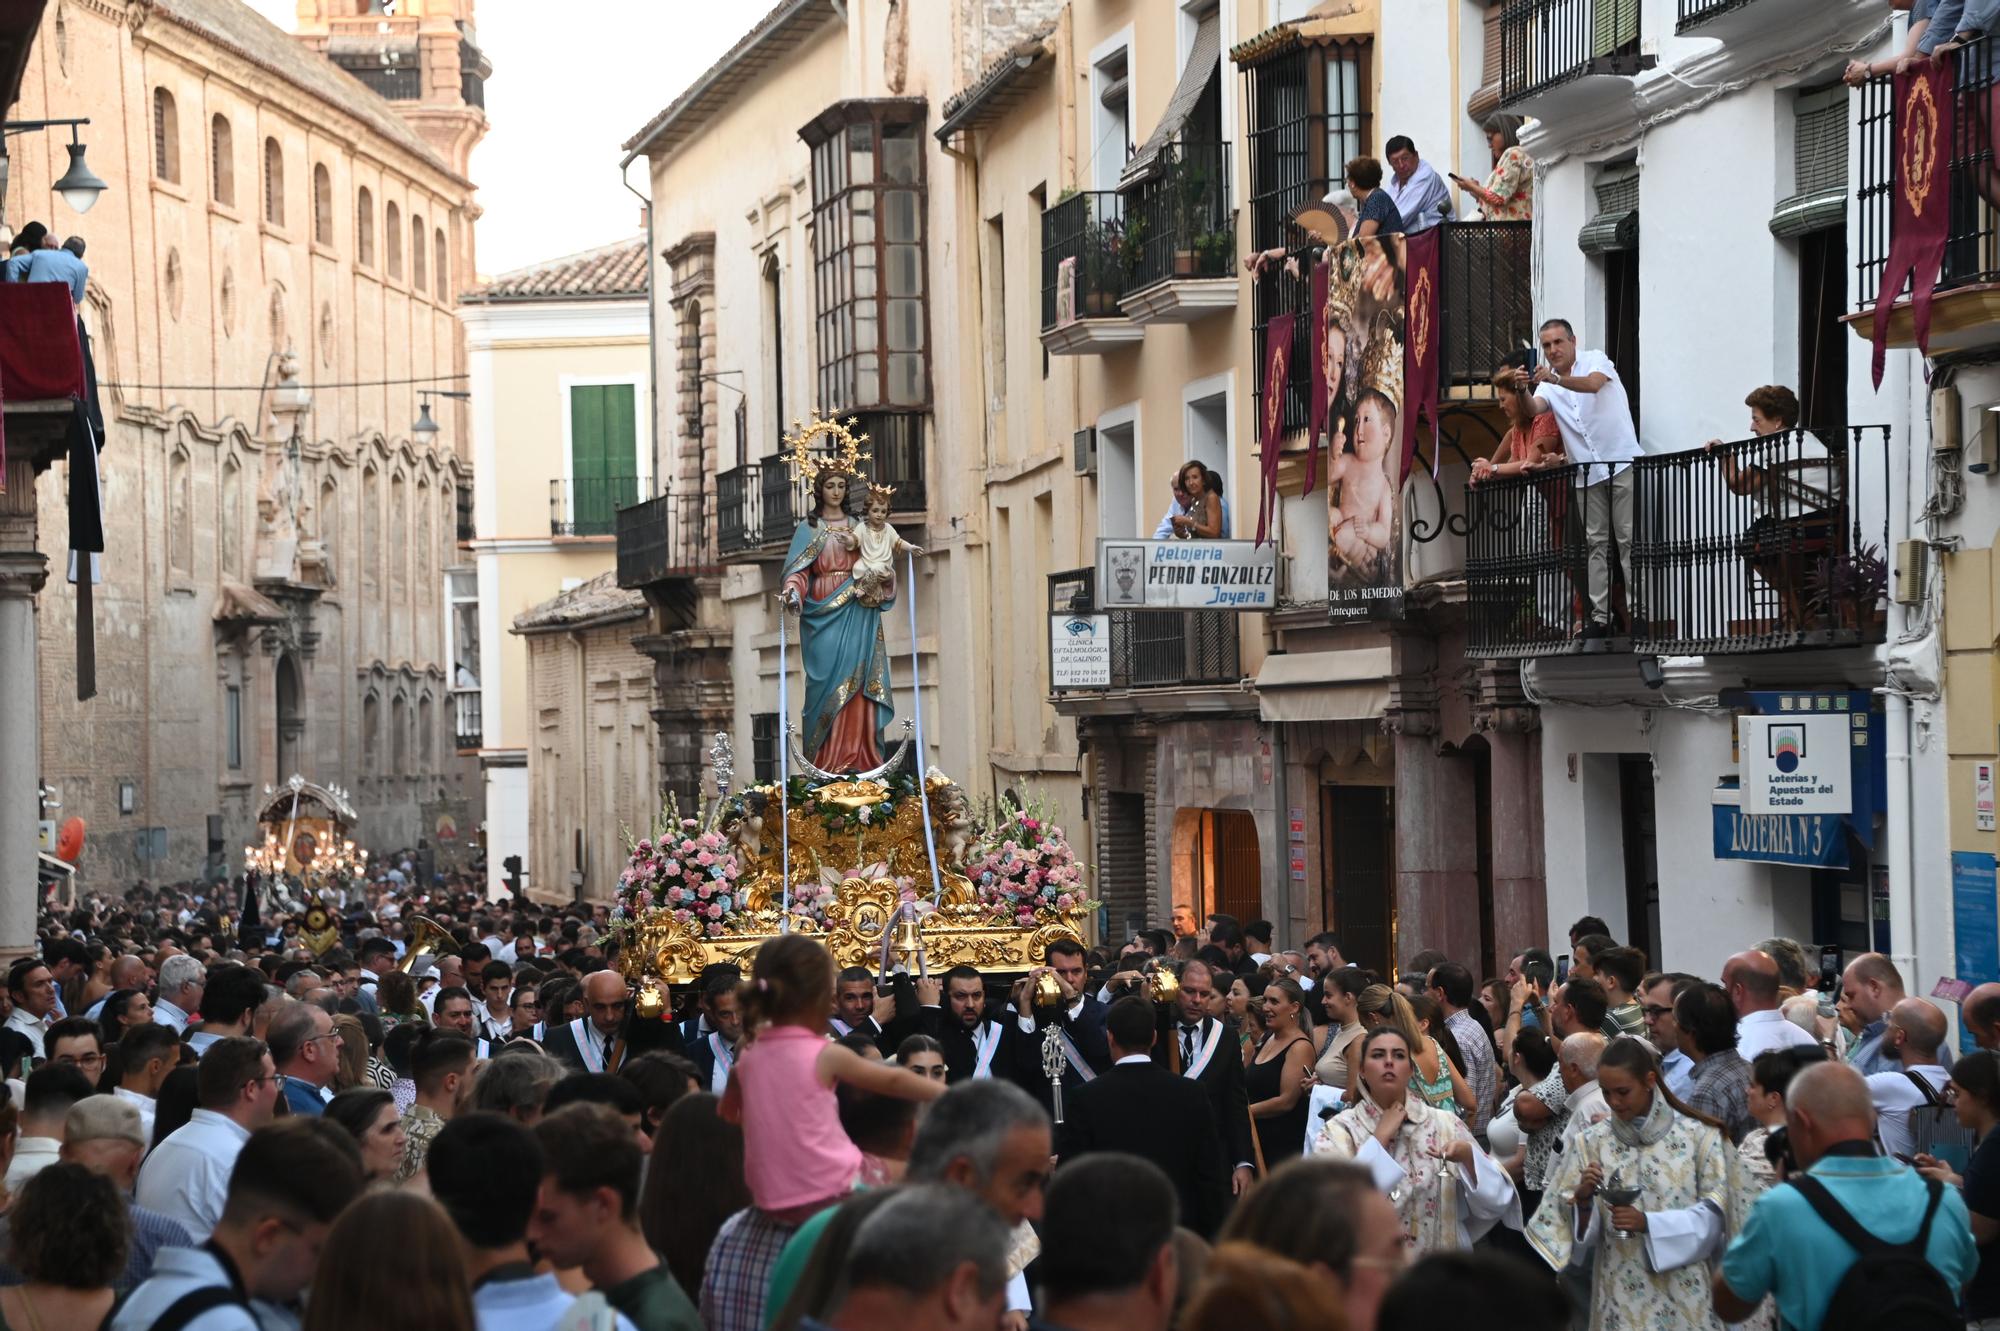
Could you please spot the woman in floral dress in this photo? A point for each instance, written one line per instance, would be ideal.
(1649, 1260)
(1509, 192)
(1447, 1191)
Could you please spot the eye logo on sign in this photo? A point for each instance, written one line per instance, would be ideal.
(1787, 746)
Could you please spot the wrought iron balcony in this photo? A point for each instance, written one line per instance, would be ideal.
(664, 538)
(1486, 308)
(402, 81)
(1154, 649)
(1752, 546)
(1181, 225)
(737, 509)
(1972, 249)
(588, 505)
(1087, 264)
(1694, 13)
(1545, 44)
(467, 706)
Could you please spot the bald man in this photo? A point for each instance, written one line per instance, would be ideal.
(1911, 1035)
(1787, 1251)
(1752, 981)
(595, 1041)
(1981, 1014)
(1872, 986)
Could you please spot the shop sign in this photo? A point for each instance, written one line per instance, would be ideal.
(1187, 575)
(1796, 764)
(1810, 840)
(1079, 651)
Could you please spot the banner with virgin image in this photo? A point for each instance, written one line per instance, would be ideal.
(1919, 199)
(1359, 316)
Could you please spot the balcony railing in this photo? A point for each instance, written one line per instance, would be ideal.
(1547, 43)
(780, 506)
(1485, 302)
(1155, 649)
(588, 505)
(736, 509)
(400, 82)
(1753, 546)
(1694, 13)
(1090, 229)
(466, 706)
(1181, 222)
(664, 537)
(1972, 249)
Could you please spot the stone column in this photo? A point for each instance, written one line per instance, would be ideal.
(23, 570)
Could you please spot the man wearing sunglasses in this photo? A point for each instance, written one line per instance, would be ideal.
(307, 1052)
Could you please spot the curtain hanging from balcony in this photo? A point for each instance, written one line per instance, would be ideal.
(1616, 225)
(1819, 167)
(1203, 57)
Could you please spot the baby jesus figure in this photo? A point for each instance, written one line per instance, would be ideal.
(878, 545)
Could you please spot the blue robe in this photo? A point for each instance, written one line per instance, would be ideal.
(843, 646)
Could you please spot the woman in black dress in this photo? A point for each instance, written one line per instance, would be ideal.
(1276, 1079)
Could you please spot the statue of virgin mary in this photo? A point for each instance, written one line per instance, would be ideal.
(847, 701)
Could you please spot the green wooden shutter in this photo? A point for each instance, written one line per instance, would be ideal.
(1615, 25)
(604, 457)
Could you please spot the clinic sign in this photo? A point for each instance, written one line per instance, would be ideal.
(1079, 651)
(1186, 575)
(1796, 764)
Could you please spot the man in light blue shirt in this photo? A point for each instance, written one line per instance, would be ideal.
(1785, 1250)
(1415, 187)
(60, 265)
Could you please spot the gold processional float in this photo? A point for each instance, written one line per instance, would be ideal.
(846, 846)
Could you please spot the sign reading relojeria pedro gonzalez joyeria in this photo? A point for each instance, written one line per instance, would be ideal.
(1186, 575)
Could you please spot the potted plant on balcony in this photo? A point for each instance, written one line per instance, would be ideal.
(1108, 247)
(1850, 589)
(1212, 253)
(1192, 185)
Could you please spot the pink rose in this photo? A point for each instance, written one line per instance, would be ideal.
(704, 859)
(672, 868)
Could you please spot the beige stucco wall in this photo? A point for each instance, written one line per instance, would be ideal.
(191, 301)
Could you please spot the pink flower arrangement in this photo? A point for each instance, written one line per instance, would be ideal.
(682, 869)
(1025, 864)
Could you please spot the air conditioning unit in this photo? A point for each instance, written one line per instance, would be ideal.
(1083, 450)
(1912, 563)
(1945, 436)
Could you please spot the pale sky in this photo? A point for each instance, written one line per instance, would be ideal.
(565, 93)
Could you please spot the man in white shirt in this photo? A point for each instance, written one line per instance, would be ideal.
(1595, 418)
(146, 1056)
(187, 1175)
(1915, 1030)
(1257, 938)
(291, 1180)
(1585, 1101)
(181, 981)
(52, 1089)
(1752, 981)
(1415, 187)
(33, 990)
(495, 1017)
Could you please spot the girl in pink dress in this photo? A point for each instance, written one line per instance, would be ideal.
(796, 1159)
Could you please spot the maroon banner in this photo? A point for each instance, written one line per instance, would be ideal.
(1919, 199)
(1421, 343)
(1325, 378)
(1271, 429)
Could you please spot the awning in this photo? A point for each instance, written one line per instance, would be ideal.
(1616, 225)
(1203, 57)
(1805, 213)
(1351, 684)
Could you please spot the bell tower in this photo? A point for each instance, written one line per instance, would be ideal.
(422, 55)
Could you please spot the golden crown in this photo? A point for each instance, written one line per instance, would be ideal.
(843, 444)
(882, 492)
(1343, 282)
(1382, 368)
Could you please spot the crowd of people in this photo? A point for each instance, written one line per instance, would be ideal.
(213, 1127)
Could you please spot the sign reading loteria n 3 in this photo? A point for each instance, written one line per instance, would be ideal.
(1795, 764)
(1186, 575)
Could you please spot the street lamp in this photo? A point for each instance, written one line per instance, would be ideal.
(425, 431)
(79, 185)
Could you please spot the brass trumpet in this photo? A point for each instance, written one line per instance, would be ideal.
(427, 936)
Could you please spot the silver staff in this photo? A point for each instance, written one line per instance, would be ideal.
(1052, 1065)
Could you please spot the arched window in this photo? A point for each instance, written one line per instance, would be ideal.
(399, 545)
(371, 733)
(424, 536)
(371, 530)
(274, 183)
(232, 519)
(426, 723)
(441, 266)
(222, 161)
(364, 228)
(392, 234)
(329, 528)
(180, 515)
(399, 736)
(322, 204)
(419, 267)
(166, 137)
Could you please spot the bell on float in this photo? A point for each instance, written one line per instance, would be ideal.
(1048, 990)
(908, 944)
(651, 1002)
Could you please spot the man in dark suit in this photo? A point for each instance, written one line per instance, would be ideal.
(1142, 1109)
(1078, 1015)
(714, 979)
(1124, 1273)
(973, 1045)
(714, 1053)
(595, 1041)
(1201, 1049)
